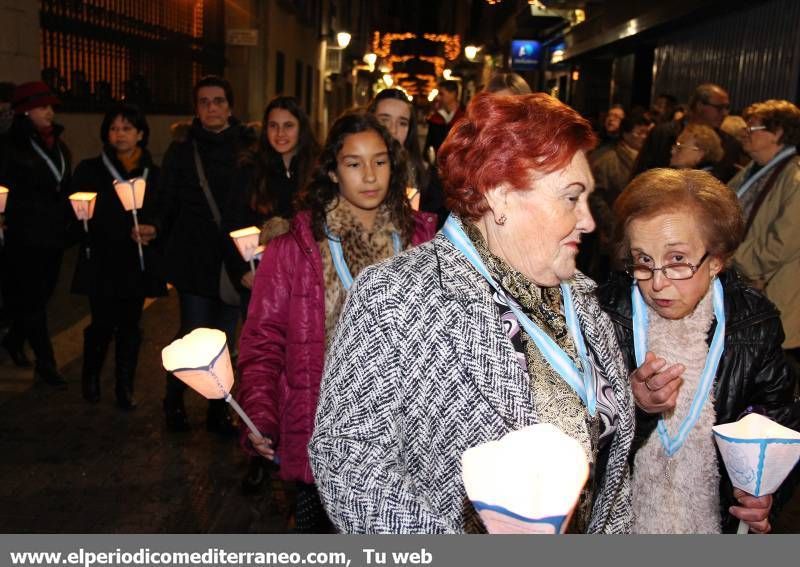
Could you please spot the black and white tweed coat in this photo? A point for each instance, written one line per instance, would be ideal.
(419, 371)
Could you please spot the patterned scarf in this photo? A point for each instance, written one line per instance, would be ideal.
(555, 401)
(361, 248)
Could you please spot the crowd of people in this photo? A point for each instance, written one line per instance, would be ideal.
(631, 284)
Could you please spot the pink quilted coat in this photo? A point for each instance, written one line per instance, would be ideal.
(282, 348)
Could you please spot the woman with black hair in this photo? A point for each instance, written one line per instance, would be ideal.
(393, 109)
(355, 213)
(108, 268)
(267, 181)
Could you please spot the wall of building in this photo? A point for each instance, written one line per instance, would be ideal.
(754, 53)
(253, 70)
(19, 40)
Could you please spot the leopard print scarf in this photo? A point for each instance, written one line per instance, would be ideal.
(361, 248)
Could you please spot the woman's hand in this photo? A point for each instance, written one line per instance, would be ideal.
(147, 232)
(655, 385)
(753, 510)
(247, 280)
(263, 446)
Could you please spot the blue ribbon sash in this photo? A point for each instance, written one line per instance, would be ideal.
(673, 444)
(335, 245)
(115, 174)
(57, 173)
(581, 381)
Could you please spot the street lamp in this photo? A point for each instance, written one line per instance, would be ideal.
(370, 59)
(471, 52)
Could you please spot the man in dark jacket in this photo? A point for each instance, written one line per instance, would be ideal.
(440, 122)
(708, 106)
(195, 183)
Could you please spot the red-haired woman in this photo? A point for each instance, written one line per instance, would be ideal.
(443, 348)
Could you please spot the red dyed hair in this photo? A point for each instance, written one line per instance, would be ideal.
(503, 140)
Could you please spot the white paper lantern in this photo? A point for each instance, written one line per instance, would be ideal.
(527, 482)
(759, 454)
(3, 198)
(83, 204)
(201, 360)
(131, 192)
(246, 240)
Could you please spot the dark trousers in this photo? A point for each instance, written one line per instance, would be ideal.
(310, 516)
(198, 311)
(120, 315)
(29, 278)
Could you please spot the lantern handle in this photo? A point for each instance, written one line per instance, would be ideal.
(237, 408)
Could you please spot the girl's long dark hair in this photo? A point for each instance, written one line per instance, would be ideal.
(322, 194)
(411, 145)
(268, 162)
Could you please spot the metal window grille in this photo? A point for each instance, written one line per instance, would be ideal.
(148, 52)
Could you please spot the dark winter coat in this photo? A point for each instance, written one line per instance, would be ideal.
(753, 374)
(656, 151)
(37, 210)
(282, 349)
(112, 270)
(193, 241)
(438, 129)
(239, 211)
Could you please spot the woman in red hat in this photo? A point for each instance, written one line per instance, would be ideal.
(35, 166)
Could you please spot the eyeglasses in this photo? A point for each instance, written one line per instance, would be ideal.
(751, 129)
(677, 147)
(679, 271)
(719, 107)
(216, 101)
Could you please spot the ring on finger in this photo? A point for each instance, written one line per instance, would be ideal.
(647, 385)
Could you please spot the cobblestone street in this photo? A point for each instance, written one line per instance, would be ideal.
(68, 466)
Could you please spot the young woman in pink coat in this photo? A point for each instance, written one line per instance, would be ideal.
(353, 214)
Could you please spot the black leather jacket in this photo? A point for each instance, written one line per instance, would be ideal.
(753, 374)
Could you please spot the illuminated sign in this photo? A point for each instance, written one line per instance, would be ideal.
(525, 54)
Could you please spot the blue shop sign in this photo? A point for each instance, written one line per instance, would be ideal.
(525, 54)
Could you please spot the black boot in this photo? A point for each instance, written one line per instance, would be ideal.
(16, 351)
(45, 369)
(174, 410)
(48, 374)
(127, 357)
(218, 420)
(95, 347)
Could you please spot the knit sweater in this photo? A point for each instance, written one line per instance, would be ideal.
(679, 494)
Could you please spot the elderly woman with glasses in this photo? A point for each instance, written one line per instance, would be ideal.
(484, 330)
(769, 192)
(702, 347)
